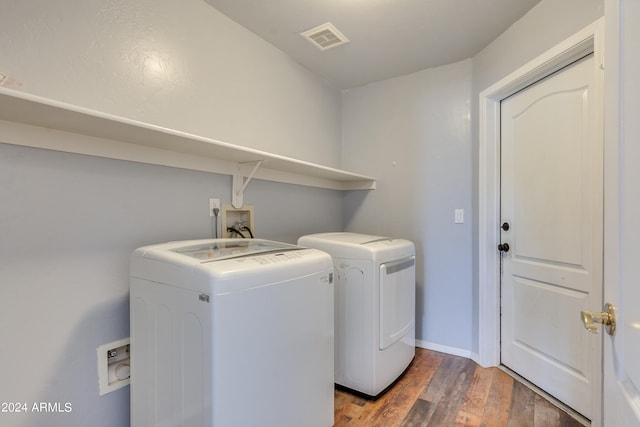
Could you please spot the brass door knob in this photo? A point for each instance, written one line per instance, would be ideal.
(590, 319)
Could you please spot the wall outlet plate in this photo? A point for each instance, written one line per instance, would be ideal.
(458, 216)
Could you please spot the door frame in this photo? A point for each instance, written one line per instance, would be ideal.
(622, 60)
(587, 40)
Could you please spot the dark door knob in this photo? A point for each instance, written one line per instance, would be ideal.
(503, 247)
(505, 226)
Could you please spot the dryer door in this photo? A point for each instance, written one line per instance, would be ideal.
(397, 300)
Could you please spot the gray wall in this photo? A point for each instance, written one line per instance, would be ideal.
(416, 121)
(68, 223)
(413, 134)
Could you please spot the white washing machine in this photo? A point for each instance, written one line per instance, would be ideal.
(374, 307)
(231, 332)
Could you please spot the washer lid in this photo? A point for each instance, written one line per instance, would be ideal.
(359, 246)
(215, 250)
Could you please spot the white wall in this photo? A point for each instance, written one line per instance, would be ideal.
(544, 26)
(413, 134)
(68, 223)
(178, 64)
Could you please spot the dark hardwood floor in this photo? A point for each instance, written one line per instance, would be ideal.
(443, 390)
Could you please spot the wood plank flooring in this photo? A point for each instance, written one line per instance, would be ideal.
(443, 390)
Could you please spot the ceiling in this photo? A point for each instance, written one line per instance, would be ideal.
(387, 38)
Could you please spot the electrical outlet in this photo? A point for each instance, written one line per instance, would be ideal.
(214, 204)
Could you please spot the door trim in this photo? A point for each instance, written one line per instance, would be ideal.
(588, 40)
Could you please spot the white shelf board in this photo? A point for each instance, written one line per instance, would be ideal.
(34, 121)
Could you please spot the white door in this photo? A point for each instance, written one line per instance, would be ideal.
(551, 199)
(621, 393)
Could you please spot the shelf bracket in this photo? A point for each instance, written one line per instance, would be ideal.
(239, 184)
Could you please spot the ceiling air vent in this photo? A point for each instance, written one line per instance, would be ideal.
(325, 36)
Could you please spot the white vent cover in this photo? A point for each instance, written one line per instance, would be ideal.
(325, 36)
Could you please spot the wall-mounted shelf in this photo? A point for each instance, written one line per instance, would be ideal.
(33, 121)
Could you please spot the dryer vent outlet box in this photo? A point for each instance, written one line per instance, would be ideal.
(240, 220)
(114, 368)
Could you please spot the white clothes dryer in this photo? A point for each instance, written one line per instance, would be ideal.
(231, 332)
(374, 307)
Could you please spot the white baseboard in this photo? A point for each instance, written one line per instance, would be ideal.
(446, 349)
(476, 358)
